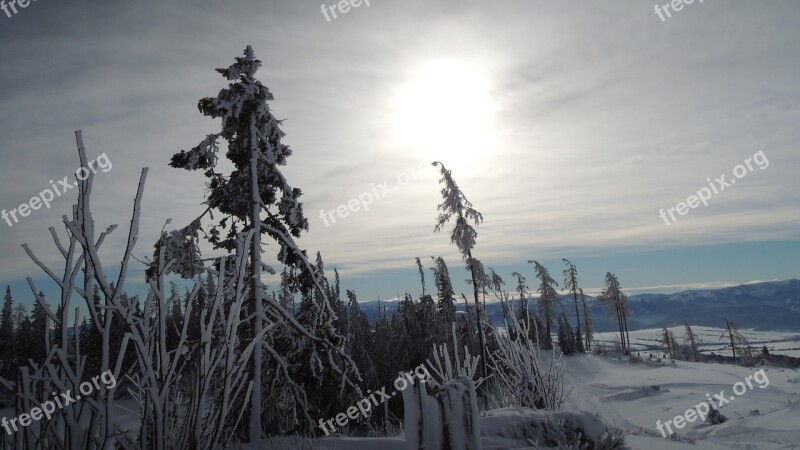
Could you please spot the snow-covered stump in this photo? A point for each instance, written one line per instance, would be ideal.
(443, 417)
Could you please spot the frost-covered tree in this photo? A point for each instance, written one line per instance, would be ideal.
(738, 342)
(691, 339)
(24, 339)
(548, 300)
(667, 340)
(566, 338)
(285, 297)
(671, 346)
(625, 313)
(175, 319)
(617, 303)
(455, 205)
(256, 196)
(425, 317)
(7, 328)
(496, 283)
(382, 341)
(195, 303)
(40, 329)
(571, 285)
(421, 274)
(522, 293)
(587, 320)
(446, 307)
(359, 339)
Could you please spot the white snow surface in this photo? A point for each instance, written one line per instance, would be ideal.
(710, 340)
(633, 396)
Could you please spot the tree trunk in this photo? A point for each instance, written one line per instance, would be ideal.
(586, 326)
(621, 327)
(627, 336)
(730, 334)
(577, 315)
(255, 431)
(480, 322)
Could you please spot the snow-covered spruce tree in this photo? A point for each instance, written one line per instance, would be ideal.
(671, 346)
(730, 336)
(402, 343)
(467, 327)
(691, 339)
(23, 338)
(616, 301)
(677, 350)
(571, 285)
(406, 312)
(422, 325)
(482, 280)
(587, 320)
(524, 314)
(175, 319)
(256, 196)
(40, 323)
(382, 347)
(323, 388)
(548, 300)
(495, 282)
(739, 343)
(7, 332)
(566, 338)
(446, 307)
(285, 298)
(455, 204)
(666, 340)
(338, 304)
(421, 274)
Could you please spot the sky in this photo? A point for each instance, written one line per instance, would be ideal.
(569, 125)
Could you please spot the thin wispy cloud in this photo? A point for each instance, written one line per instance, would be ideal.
(590, 136)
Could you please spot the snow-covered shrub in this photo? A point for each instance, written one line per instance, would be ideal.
(497, 397)
(617, 346)
(445, 369)
(519, 369)
(715, 417)
(599, 349)
(550, 430)
(189, 394)
(89, 423)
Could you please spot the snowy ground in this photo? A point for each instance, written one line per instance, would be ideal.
(711, 340)
(633, 397)
(622, 394)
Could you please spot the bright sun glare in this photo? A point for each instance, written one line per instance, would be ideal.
(446, 112)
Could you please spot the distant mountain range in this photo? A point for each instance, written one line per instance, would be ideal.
(768, 306)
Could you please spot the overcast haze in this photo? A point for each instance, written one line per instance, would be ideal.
(577, 122)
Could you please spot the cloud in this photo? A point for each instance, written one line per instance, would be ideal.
(598, 125)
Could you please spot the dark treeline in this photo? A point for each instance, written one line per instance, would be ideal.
(397, 341)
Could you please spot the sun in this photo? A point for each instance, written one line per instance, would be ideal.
(446, 112)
